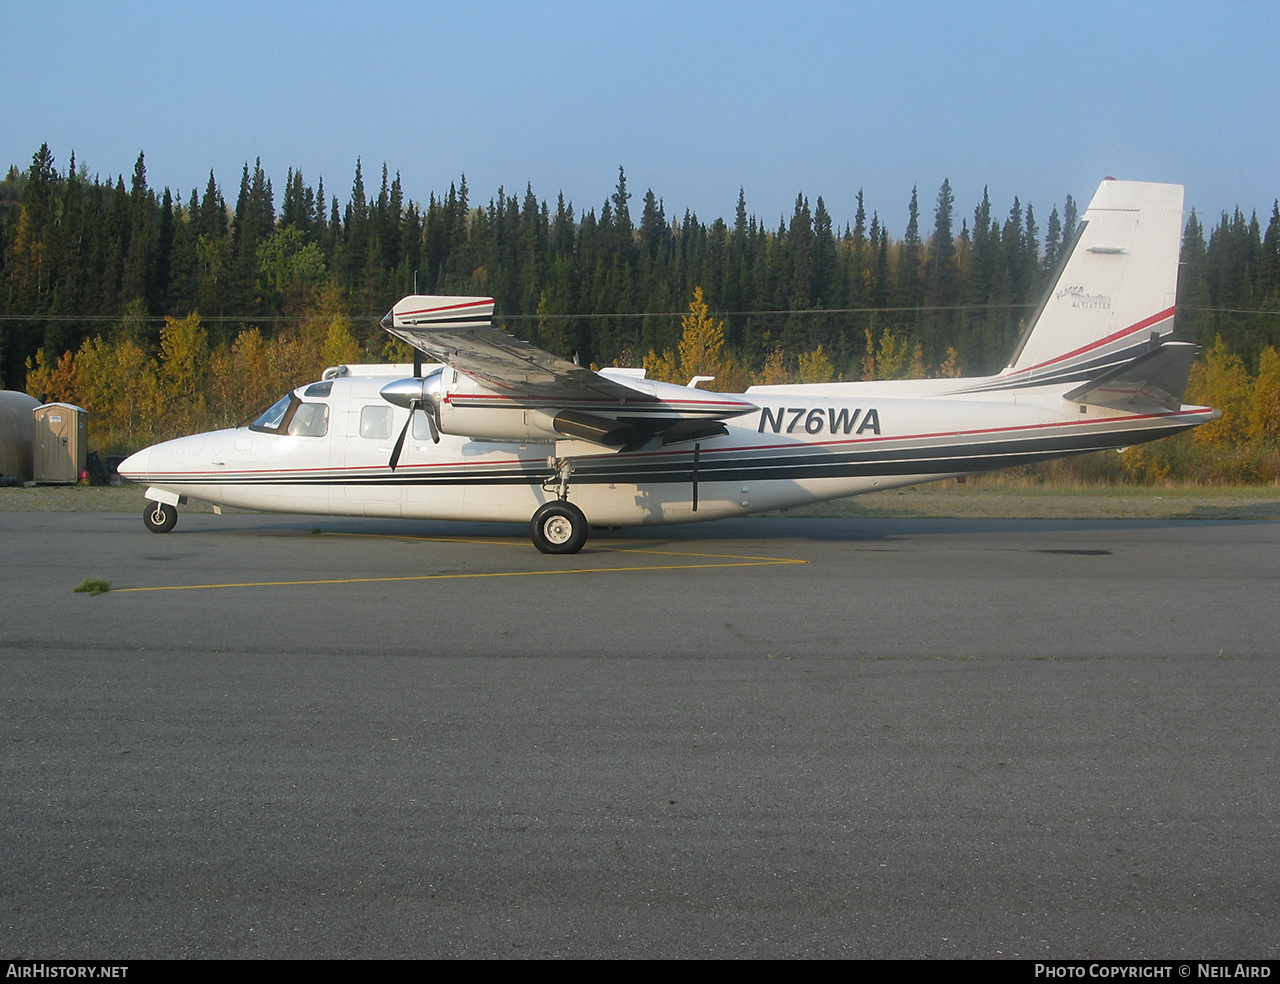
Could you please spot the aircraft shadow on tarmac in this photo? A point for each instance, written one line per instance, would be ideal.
(852, 530)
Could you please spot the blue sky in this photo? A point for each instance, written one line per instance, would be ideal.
(1038, 100)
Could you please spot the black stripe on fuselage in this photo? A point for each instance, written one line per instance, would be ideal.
(728, 465)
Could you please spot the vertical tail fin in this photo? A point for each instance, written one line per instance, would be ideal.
(1115, 290)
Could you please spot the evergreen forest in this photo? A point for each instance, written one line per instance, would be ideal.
(164, 312)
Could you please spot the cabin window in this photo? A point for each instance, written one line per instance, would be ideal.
(375, 423)
(310, 420)
(319, 389)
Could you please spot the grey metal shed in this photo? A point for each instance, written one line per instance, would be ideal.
(16, 434)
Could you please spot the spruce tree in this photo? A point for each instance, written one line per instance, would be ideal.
(942, 279)
(909, 260)
(139, 263)
(1053, 241)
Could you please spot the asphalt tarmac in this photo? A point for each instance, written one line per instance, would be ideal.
(313, 737)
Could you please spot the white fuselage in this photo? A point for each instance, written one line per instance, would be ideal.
(802, 445)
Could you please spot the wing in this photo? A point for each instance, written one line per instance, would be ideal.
(459, 332)
(619, 412)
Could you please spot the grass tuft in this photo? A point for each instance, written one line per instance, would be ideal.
(93, 586)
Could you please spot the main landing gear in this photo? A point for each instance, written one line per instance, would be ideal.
(160, 517)
(559, 527)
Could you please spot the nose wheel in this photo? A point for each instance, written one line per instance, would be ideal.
(160, 517)
(559, 528)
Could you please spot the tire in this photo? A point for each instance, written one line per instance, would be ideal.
(160, 517)
(558, 528)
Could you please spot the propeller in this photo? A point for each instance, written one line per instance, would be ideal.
(399, 445)
(417, 393)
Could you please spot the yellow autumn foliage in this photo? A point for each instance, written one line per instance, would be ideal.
(701, 352)
(815, 367)
(1220, 380)
(135, 398)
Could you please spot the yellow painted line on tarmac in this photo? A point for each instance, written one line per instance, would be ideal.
(705, 561)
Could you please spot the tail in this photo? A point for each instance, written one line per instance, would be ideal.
(1110, 310)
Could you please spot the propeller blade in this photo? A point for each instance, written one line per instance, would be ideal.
(399, 446)
(432, 425)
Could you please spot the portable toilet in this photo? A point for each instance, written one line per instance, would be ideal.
(61, 443)
(16, 434)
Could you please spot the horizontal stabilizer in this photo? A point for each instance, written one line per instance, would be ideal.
(1155, 380)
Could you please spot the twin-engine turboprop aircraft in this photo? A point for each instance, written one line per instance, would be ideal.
(502, 431)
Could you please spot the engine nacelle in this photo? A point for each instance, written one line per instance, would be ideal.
(462, 407)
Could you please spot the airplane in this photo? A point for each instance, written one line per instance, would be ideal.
(498, 430)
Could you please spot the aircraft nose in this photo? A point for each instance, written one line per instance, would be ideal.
(136, 465)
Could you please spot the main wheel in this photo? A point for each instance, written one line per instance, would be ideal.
(559, 528)
(160, 517)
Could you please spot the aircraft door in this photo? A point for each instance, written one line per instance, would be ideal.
(366, 486)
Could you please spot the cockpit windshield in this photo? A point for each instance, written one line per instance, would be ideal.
(273, 416)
